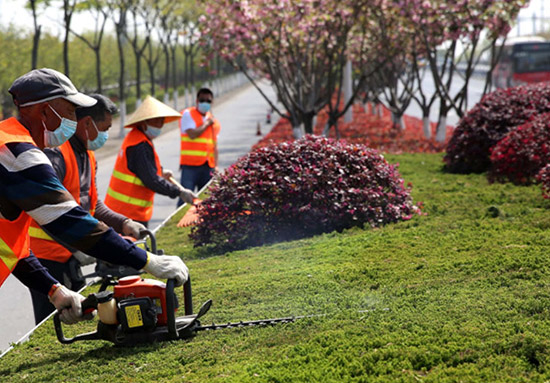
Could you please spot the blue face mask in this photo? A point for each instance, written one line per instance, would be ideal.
(100, 139)
(63, 132)
(204, 107)
(152, 132)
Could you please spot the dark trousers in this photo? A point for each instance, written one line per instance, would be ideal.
(68, 274)
(195, 177)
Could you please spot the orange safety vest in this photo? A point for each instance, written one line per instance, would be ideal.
(14, 238)
(44, 246)
(197, 151)
(126, 194)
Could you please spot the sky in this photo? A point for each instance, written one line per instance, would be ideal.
(13, 11)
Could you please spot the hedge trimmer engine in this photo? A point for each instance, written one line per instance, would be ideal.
(138, 311)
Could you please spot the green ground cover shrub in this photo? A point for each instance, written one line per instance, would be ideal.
(459, 294)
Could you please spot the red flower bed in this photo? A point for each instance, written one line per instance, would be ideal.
(367, 129)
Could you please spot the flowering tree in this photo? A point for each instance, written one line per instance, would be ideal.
(300, 45)
(453, 37)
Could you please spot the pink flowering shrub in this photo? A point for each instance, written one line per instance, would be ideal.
(522, 153)
(489, 121)
(298, 189)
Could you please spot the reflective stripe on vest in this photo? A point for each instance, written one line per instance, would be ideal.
(127, 194)
(197, 151)
(44, 246)
(14, 238)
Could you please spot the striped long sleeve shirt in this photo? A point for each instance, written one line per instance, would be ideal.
(29, 183)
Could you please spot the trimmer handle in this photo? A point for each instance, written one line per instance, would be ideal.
(147, 232)
(171, 304)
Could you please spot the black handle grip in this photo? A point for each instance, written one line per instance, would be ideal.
(171, 308)
(89, 304)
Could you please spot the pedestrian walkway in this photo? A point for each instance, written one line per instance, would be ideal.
(239, 112)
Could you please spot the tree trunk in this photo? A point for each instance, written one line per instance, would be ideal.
(174, 78)
(166, 71)
(326, 129)
(308, 124)
(298, 131)
(138, 76)
(441, 132)
(426, 127)
(122, 113)
(121, 81)
(98, 69)
(152, 78)
(36, 36)
(66, 51)
(35, 43)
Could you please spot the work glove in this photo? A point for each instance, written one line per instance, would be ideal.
(166, 174)
(132, 228)
(68, 304)
(187, 195)
(167, 267)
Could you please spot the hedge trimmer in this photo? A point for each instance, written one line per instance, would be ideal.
(143, 311)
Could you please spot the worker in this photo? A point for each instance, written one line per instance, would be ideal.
(75, 165)
(46, 101)
(138, 174)
(199, 135)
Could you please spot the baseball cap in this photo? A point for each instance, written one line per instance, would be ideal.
(45, 84)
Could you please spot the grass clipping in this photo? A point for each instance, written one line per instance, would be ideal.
(460, 294)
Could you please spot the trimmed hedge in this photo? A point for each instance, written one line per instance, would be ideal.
(489, 121)
(522, 153)
(298, 189)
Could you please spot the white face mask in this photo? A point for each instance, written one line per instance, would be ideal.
(152, 132)
(59, 136)
(100, 139)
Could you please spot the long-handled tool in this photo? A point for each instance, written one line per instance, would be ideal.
(191, 216)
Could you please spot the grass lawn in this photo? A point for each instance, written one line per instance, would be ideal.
(458, 295)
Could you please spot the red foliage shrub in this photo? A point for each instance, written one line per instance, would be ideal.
(489, 121)
(367, 129)
(298, 189)
(521, 154)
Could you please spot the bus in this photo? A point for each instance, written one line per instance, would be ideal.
(522, 60)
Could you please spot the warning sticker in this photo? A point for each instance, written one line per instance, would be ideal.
(133, 314)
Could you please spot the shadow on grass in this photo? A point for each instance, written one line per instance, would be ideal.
(106, 352)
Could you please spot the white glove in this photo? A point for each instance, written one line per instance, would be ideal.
(67, 303)
(166, 174)
(167, 267)
(188, 196)
(132, 228)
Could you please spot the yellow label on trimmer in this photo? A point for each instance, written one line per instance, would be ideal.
(133, 315)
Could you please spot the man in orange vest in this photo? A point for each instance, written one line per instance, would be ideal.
(138, 174)
(75, 165)
(199, 136)
(29, 188)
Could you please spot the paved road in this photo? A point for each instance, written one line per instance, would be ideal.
(239, 113)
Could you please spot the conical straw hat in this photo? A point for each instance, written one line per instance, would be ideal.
(152, 108)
